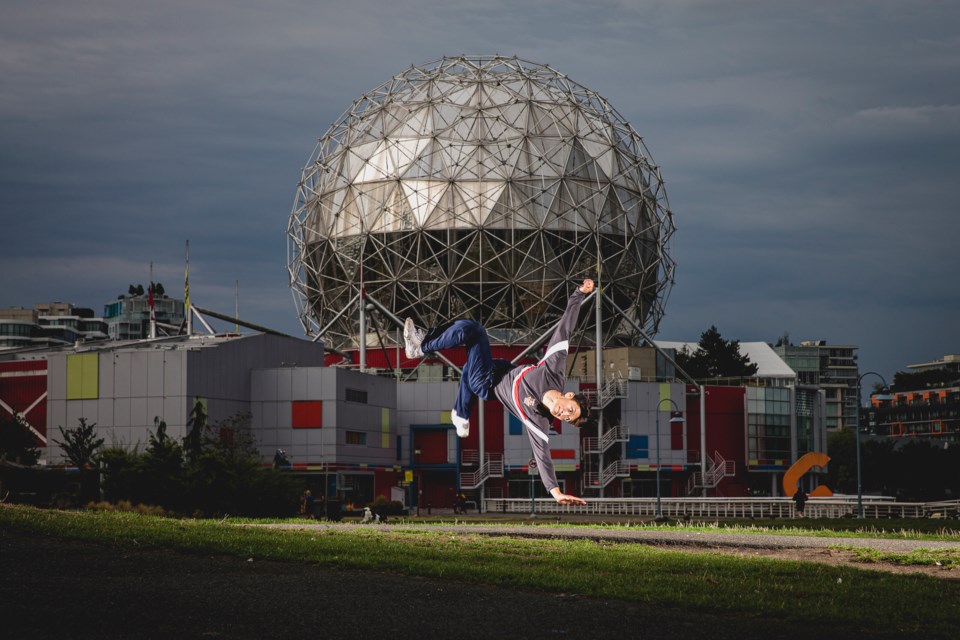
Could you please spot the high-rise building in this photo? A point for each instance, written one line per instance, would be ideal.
(832, 368)
(128, 318)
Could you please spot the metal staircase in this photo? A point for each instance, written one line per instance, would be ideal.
(611, 389)
(610, 437)
(717, 469)
(616, 469)
(492, 467)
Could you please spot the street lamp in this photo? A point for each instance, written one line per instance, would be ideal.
(532, 471)
(883, 395)
(673, 419)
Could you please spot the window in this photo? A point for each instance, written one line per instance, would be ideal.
(356, 437)
(356, 395)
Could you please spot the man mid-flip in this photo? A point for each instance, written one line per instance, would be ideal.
(533, 393)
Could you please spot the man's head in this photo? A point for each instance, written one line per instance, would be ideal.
(586, 412)
(572, 408)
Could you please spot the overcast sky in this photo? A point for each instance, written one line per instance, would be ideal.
(810, 150)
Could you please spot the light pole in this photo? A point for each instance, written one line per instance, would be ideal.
(532, 471)
(673, 419)
(883, 395)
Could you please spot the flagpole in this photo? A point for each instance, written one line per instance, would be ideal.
(153, 315)
(186, 294)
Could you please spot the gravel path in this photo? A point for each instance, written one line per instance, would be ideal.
(663, 538)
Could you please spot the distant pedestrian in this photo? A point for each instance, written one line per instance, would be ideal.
(307, 504)
(800, 498)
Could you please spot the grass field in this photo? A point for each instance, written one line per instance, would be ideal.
(842, 597)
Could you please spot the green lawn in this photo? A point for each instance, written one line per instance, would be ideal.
(844, 598)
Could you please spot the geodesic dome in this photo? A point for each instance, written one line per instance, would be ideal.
(482, 187)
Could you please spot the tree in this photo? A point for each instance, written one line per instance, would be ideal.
(784, 340)
(140, 290)
(228, 477)
(842, 470)
(158, 289)
(163, 465)
(17, 444)
(197, 423)
(132, 290)
(918, 380)
(80, 444)
(716, 358)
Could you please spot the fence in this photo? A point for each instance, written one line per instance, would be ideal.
(699, 508)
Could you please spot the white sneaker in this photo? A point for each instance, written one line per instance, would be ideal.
(412, 338)
(462, 424)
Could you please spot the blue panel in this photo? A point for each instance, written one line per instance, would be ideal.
(638, 447)
(516, 427)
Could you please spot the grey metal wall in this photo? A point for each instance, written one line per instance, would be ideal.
(638, 415)
(426, 403)
(143, 381)
(273, 391)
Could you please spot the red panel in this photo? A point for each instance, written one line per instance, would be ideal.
(23, 365)
(563, 454)
(432, 444)
(676, 435)
(306, 415)
(383, 481)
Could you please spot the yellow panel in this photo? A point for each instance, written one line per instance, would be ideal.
(665, 393)
(445, 417)
(385, 428)
(91, 375)
(74, 377)
(82, 376)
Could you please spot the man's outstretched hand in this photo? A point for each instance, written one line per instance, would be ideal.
(586, 287)
(563, 498)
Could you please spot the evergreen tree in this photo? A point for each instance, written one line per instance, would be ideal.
(197, 424)
(716, 358)
(163, 464)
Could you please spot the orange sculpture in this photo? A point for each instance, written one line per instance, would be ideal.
(803, 464)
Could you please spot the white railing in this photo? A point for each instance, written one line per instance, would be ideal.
(492, 467)
(608, 439)
(713, 508)
(470, 456)
(614, 387)
(943, 509)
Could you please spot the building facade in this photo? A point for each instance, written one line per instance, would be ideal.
(129, 318)
(49, 324)
(832, 368)
(357, 435)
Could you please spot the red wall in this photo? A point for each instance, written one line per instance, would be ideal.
(19, 391)
(726, 423)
